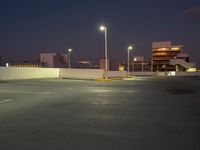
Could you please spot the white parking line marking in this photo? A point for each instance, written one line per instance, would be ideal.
(101, 91)
(46, 93)
(5, 100)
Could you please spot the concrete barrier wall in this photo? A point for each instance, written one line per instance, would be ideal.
(163, 74)
(143, 73)
(81, 73)
(89, 73)
(12, 73)
(192, 74)
(115, 74)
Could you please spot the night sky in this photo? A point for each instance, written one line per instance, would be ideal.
(29, 27)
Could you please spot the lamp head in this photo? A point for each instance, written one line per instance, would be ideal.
(130, 48)
(102, 28)
(69, 50)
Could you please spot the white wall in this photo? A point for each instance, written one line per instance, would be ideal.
(81, 73)
(12, 73)
(187, 73)
(89, 73)
(113, 74)
(143, 73)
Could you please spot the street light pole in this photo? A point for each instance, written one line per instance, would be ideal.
(69, 57)
(103, 28)
(128, 62)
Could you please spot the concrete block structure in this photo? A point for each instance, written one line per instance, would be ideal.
(54, 60)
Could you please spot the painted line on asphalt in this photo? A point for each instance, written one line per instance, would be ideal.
(102, 91)
(5, 100)
(131, 91)
(45, 93)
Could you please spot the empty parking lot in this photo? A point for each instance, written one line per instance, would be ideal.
(146, 113)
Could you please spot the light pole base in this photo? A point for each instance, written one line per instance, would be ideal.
(103, 80)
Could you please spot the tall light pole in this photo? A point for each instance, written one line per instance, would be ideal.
(103, 28)
(128, 62)
(69, 57)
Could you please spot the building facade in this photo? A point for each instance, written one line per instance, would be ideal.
(139, 63)
(54, 60)
(162, 53)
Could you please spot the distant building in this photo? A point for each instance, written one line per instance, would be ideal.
(162, 53)
(54, 60)
(139, 63)
(138, 58)
(86, 64)
(182, 63)
(113, 65)
(121, 67)
(102, 64)
(183, 56)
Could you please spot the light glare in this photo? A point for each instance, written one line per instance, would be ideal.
(130, 48)
(102, 28)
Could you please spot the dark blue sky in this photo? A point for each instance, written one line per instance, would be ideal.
(29, 27)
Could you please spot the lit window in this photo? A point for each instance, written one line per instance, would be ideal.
(175, 48)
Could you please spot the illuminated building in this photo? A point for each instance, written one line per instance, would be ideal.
(162, 53)
(121, 67)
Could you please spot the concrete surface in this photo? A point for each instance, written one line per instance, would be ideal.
(147, 113)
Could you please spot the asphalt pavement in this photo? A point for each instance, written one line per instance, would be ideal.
(151, 113)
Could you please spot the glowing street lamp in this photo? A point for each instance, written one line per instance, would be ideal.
(128, 62)
(103, 28)
(69, 52)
